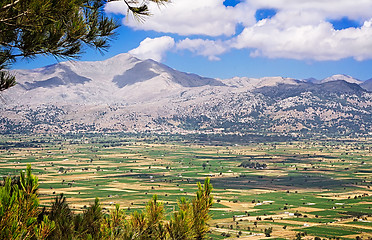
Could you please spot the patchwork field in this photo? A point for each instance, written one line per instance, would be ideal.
(298, 189)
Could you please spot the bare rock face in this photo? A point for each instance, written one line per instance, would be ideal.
(367, 85)
(124, 93)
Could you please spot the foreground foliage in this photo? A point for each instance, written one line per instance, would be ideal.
(22, 218)
(19, 209)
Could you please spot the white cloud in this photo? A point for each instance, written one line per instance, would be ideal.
(189, 17)
(299, 30)
(153, 48)
(320, 41)
(355, 9)
(117, 7)
(202, 47)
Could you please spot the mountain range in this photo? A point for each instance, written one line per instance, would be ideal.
(124, 93)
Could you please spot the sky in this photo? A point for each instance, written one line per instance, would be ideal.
(246, 38)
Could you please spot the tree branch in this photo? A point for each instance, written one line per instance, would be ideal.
(9, 5)
(13, 18)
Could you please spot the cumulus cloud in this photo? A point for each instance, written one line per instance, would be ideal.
(116, 7)
(153, 48)
(206, 48)
(320, 41)
(189, 17)
(298, 30)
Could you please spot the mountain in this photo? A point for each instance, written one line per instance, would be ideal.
(337, 87)
(121, 78)
(343, 77)
(124, 93)
(367, 85)
(312, 80)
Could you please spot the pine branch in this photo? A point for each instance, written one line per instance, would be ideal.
(9, 5)
(13, 18)
(6, 80)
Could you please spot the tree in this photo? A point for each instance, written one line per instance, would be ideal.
(268, 231)
(91, 221)
(115, 225)
(19, 209)
(200, 209)
(62, 215)
(204, 165)
(58, 28)
(21, 218)
(179, 226)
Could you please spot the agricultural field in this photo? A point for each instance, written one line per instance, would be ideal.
(287, 190)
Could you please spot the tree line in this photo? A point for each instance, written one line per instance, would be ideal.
(255, 165)
(21, 216)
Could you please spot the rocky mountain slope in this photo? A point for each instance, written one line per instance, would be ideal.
(367, 85)
(124, 93)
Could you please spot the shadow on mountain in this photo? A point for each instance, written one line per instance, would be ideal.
(67, 77)
(191, 79)
(141, 72)
(282, 91)
(367, 85)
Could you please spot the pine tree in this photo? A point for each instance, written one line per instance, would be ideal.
(62, 215)
(179, 227)
(19, 209)
(115, 225)
(154, 215)
(200, 210)
(21, 218)
(91, 221)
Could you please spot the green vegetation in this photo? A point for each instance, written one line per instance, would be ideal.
(321, 188)
(22, 218)
(19, 209)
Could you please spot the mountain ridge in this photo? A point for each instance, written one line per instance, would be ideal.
(125, 93)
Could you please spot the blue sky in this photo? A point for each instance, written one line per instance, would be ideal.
(252, 38)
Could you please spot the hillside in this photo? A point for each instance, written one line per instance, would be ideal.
(124, 93)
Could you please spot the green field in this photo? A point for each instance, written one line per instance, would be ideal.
(320, 188)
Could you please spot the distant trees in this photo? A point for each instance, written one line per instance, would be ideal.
(57, 28)
(250, 164)
(22, 218)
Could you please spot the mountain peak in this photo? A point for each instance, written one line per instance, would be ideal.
(124, 93)
(343, 77)
(123, 57)
(120, 79)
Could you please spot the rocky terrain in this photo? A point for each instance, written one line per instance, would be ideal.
(124, 93)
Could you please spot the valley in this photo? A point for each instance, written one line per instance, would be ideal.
(318, 188)
(288, 158)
